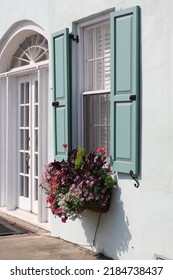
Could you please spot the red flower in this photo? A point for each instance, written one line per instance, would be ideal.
(101, 149)
(65, 145)
(63, 219)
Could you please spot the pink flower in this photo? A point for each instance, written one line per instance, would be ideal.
(58, 211)
(65, 145)
(101, 149)
(48, 199)
(53, 192)
(58, 173)
(72, 186)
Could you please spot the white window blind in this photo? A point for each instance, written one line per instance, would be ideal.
(97, 57)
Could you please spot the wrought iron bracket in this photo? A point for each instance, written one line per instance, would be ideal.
(74, 38)
(134, 177)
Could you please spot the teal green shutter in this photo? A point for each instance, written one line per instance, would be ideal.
(61, 92)
(125, 90)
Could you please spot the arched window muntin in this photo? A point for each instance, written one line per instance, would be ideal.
(32, 50)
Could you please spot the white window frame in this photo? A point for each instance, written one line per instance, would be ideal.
(80, 72)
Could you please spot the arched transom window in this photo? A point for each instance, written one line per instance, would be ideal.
(32, 50)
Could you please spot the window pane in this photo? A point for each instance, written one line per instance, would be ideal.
(99, 65)
(90, 76)
(90, 44)
(99, 42)
(97, 122)
(97, 57)
(32, 49)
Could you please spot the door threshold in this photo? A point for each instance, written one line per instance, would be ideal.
(25, 216)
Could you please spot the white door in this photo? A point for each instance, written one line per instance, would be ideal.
(28, 143)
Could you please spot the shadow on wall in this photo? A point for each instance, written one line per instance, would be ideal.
(111, 236)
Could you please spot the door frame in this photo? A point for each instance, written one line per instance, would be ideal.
(11, 121)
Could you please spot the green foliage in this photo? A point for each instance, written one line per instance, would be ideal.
(79, 157)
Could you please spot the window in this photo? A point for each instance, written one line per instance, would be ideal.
(108, 116)
(96, 86)
(32, 50)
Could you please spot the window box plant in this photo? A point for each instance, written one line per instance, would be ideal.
(78, 183)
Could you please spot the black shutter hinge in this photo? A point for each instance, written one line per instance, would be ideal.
(132, 97)
(72, 36)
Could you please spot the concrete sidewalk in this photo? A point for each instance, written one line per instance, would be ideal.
(37, 244)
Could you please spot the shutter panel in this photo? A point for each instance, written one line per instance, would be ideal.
(124, 88)
(61, 92)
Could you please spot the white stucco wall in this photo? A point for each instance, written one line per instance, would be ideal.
(140, 221)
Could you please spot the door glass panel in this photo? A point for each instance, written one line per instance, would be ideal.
(27, 163)
(36, 91)
(27, 93)
(21, 186)
(22, 93)
(36, 165)
(21, 162)
(21, 116)
(36, 140)
(26, 194)
(36, 189)
(27, 139)
(36, 115)
(21, 139)
(27, 116)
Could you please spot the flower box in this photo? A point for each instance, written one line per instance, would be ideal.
(78, 183)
